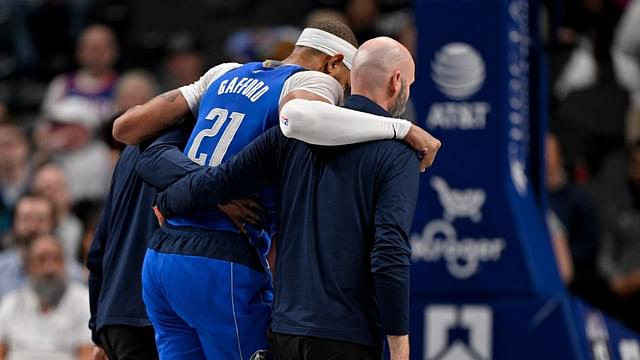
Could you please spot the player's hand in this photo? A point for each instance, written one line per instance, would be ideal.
(98, 354)
(241, 212)
(424, 143)
(158, 215)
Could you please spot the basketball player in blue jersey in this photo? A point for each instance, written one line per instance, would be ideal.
(205, 286)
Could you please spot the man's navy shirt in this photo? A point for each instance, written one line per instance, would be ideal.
(342, 269)
(126, 225)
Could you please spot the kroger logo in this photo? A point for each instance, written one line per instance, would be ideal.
(439, 239)
(459, 203)
(458, 70)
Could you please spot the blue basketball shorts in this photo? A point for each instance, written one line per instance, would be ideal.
(207, 294)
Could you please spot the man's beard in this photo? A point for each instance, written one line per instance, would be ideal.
(400, 105)
(49, 290)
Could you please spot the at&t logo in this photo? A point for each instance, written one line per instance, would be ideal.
(458, 71)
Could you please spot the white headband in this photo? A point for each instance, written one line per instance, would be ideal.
(327, 43)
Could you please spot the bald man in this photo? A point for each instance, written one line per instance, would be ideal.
(342, 275)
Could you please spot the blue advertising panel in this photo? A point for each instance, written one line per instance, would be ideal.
(477, 228)
(484, 278)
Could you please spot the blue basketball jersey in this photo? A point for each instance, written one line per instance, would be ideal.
(236, 108)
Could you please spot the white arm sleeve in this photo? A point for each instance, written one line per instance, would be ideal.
(320, 123)
(193, 92)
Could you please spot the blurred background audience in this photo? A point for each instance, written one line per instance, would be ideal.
(69, 67)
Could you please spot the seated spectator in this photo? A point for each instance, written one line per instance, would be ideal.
(62, 138)
(135, 87)
(47, 317)
(35, 216)
(74, 110)
(15, 171)
(50, 181)
(94, 82)
(620, 255)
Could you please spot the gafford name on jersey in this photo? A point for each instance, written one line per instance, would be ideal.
(252, 88)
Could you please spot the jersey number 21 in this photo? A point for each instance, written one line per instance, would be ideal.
(219, 117)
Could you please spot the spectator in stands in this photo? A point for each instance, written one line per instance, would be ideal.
(50, 181)
(94, 82)
(34, 217)
(574, 208)
(62, 136)
(47, 317)
(15, 171)
(620, 255)
(74, 110)
(185, 61)
(135, 87)
(578, 226)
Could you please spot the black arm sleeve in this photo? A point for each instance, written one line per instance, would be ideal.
(250, 171)
(391, 252)
(162, 162)
(94, 264)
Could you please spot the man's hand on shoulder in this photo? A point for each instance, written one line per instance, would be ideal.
(424, 143)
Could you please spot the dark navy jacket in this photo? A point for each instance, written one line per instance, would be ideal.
(121, 238)
(342, 269)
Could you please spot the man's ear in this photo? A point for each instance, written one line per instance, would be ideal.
(335, 60)
(396, 83)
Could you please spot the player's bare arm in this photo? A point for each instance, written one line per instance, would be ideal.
(146, 121)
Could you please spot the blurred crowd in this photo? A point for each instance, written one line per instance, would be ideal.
(593, 149)
(69, 67)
